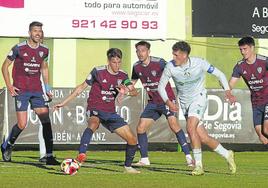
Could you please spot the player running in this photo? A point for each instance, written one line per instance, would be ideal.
(253, 69)
(106, 81)
(149, 70)
(188, 74)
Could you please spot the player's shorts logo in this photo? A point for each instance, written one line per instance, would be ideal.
(12, 3)
(18, 104)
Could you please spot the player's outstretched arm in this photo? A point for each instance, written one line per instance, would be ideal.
(77, 91)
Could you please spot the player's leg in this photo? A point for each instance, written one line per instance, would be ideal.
(217, 147)
(175, 127)
(260, 117)
(265, 122)
(195, 112)
(43, 115)
(8, 144)
(192, 123)
(42, 145)
(21, 106)
(142, 128)
(93, 125)
(125, 133)
(148, 116)
(262, 138)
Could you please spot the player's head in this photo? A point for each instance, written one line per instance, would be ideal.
(143, 50)
(114, 56)
(35, 31)
(181, 51)
(247, 47)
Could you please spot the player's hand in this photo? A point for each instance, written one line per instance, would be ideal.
(229, 97)
(13, 90)
(57, 106)
(172, 106)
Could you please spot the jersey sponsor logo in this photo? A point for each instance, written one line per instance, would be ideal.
(255, 81)
(31, 65)
(12, 3)
(259, 69)
(211, 69)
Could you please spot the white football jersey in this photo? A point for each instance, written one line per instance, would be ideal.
(189, 78)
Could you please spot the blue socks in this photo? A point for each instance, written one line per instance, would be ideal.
(85, 140)
(130, 153)
(14, 134)
(143, 144)
(183, 142)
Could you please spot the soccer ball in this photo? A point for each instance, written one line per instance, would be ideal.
(69, 166)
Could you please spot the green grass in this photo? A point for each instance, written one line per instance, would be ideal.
(105, 169)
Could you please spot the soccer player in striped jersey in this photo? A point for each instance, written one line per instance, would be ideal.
(253, 68)
(107, 82)
(188, 74)
(149, 70)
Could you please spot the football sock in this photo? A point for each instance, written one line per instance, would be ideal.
(183, 142)
(198, 156)
(14, 134)
(222, 151)
(47, 134)
(85, 140)
(143, 144)
(130, 153)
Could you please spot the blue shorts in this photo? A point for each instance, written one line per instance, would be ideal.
(154, 111)
(36, 99)
(260, 113)
(110, 121)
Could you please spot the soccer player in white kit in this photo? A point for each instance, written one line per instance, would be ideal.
(188, 74)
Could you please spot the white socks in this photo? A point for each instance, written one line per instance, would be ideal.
(198, 157)
(222, 151)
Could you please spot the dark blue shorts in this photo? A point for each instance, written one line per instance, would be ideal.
(154, 111)
(110, 121)
(36, 99)
(260, 113)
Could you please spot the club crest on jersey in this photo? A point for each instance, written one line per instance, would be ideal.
(119, 81)
(259, 69)
(153, 72)
(41, 53)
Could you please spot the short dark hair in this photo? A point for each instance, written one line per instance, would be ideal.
(246, 41)
(35, 23)
(143, 43)
(182, 46)
(114, 52)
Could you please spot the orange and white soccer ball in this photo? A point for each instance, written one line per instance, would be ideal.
(70, 166)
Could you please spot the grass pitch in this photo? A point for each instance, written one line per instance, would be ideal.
(105, 169)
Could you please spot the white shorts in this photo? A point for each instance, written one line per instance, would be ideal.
(195, 108)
